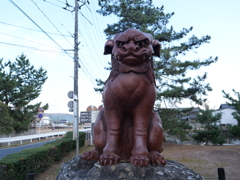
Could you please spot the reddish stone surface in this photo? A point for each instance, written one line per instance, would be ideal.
(128, 129)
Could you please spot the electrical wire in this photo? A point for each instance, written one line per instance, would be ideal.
(91, 53)
(28, 40)
(89, 75)
(83, 63)
(97, 30)
(97, 37)
(85, 18)
(40, 27)
(94, 44)
(84, 69)
(51, 22)
(53, 4)
(31, 47)
(71, 35)
(61, 1)
(49, 37)
(33, 29)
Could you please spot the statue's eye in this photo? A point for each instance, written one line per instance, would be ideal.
(141, 43)
(120, 44)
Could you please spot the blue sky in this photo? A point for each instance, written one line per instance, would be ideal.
(219, 19)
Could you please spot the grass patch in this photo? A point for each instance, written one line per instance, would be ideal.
(205, 160)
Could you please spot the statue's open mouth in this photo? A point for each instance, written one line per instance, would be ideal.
(131, 60)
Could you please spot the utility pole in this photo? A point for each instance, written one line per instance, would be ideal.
(74, 105)
(75, 88)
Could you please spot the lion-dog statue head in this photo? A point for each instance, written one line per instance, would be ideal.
(132, 50)
(128, 129)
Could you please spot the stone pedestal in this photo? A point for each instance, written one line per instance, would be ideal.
(79, 169)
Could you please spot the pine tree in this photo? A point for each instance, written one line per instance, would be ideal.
(173, 84)
(235, 130)
(20, 83)
(173, 124)
(212, 131)
(6, 122)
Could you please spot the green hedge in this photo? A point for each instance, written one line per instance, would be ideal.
(16, 166)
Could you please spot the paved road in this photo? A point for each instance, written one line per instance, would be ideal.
(11, 150)
(6, 151)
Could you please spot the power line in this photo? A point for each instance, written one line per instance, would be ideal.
(95, 24)
(39, 27)
(61, 1)
(51, 22)
(83, 63)
(30, 47)
(90, 36)
(85, 18)
(84, 68)
(89, 75)
(27, 40)
(71, 35)
(91, 54)
(33, 29)
(98, 24)
(53, 4)
(87, 68)
(95, 34)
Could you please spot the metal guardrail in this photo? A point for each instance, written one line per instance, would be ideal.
(36, 136)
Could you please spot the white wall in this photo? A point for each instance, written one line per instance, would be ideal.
(227, 117)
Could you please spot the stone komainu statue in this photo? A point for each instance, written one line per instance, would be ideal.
(128, 129)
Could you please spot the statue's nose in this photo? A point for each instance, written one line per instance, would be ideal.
(131, 46)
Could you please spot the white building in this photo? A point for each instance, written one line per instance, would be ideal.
(227, 117)
(44, 121)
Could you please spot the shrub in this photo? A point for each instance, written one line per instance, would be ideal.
(16, 166)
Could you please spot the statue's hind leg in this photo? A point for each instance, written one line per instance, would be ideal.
(99, 140)
(155, 140)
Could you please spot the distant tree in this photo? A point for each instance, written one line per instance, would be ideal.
(173, 82)
(212, 131)
(172, 123)
(20, 83)
(6, 122)
(235, 130)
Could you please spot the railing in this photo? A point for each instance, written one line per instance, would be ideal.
(40, 136)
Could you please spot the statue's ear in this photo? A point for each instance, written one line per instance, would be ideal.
(108, 47)
(156, 47)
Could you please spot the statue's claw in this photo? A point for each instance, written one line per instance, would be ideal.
(92, 155)
(109, 159)
(139, 160)
(156, 158)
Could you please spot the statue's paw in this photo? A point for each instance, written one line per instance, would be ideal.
(92, 155)
(109, 159)
(156, 158)
(139, 160)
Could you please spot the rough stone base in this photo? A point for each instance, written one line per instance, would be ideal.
(79, 169)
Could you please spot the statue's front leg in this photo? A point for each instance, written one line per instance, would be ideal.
(140, 152)
(111, 150)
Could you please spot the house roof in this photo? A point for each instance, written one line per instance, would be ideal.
(223, 106)
(192, 117)
(195, 109)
